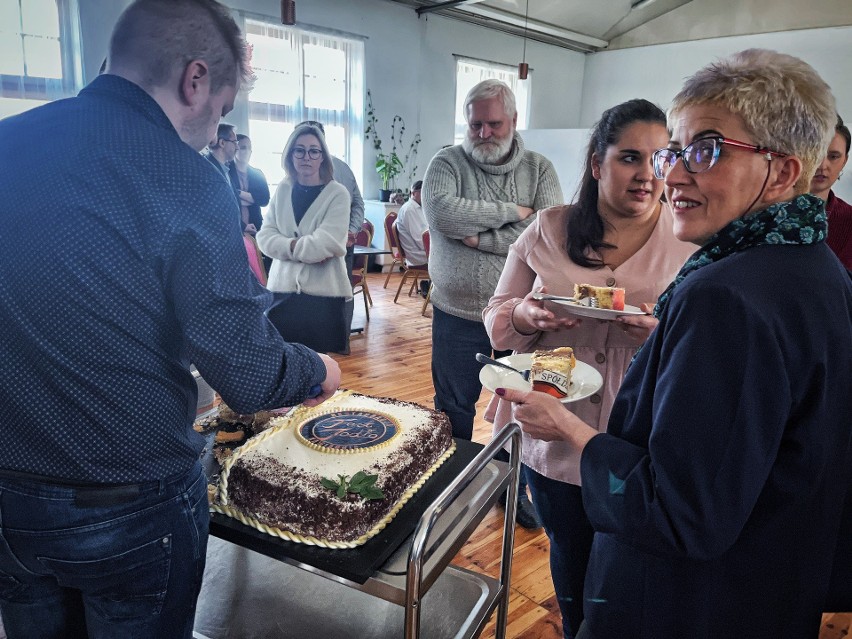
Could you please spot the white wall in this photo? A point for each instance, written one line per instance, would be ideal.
(566, 149)
(657, 72)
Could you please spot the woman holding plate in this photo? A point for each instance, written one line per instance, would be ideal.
(617, 233)
(716, 493)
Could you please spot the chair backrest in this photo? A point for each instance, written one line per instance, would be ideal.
(255, 259)
(399, 252)
(359, 262)
(426, 242)
(393, 238)
(367, 225)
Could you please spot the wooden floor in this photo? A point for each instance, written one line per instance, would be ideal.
(391, 358)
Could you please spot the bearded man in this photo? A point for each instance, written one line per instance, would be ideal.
(478, 197)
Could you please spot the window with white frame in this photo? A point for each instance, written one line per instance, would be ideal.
(471, 72)
(39, 53)
(304, 75)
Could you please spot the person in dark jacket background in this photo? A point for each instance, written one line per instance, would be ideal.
(253, 191)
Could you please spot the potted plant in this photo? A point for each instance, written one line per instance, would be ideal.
(390, 165)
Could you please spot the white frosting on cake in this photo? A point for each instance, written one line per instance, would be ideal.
(286, 445)
(287, 499)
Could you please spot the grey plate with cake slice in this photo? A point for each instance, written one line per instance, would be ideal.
(585, 380)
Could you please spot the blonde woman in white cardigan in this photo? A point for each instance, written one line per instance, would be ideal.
(305, 227)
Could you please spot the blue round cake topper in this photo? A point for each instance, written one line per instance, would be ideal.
(349, 430)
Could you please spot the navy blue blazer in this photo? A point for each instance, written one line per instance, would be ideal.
(716, 493)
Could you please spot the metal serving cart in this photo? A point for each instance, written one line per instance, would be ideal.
(413, 592)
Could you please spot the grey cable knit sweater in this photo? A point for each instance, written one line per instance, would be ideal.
(461, 198)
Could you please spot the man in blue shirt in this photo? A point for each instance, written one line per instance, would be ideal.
(102, 500)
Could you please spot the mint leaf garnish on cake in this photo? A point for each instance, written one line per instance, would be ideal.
(361, 484)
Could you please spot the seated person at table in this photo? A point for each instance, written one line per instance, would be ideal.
(410, 225)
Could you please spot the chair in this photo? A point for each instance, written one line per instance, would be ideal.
(255, 258)
(417, 272)
(426, 245)
(358, 276)
(367, 225)
(393, 241)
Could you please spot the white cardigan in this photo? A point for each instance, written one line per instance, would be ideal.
(316, 263)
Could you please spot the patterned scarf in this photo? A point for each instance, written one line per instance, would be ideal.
(801, 220)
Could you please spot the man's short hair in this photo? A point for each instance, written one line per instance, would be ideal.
(223, 132)
(488, 89)
(418, 185)
(157, 37)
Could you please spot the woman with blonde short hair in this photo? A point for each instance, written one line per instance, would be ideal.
(716, 493)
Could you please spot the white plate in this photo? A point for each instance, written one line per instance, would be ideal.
(598, 313)
(585, 380)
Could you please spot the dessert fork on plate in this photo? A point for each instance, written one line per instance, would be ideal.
(484, 359)
(585, 301)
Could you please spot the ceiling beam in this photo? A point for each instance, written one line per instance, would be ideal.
(449, 4)
(534, 25)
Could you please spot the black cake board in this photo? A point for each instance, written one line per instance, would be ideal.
(360, 563)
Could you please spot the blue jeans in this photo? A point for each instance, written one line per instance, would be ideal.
(455, 371)
(77, 563)
(560, 508)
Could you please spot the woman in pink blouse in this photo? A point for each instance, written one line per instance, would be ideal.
(618, 233)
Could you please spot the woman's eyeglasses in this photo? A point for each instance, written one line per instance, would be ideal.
(701, 155)
(300, 152)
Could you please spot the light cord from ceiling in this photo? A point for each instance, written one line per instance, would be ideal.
(523, 67)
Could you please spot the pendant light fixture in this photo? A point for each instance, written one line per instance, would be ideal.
(288, 12)
(523, 67)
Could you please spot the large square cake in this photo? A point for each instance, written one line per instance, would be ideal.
(280, 480)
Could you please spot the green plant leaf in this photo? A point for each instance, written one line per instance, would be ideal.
(330, 484)
(373, 493)
(341, 491)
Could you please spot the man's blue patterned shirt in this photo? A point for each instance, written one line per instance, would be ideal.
(122, 262)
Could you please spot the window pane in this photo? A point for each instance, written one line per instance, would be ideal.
(267, 143)
(41, 17)
(10, 16)
(11, 54)
(325, 78)
(274, 87)
(335, 138)
(44, 58)
(272, 53)
(14, 106)
(276, 65)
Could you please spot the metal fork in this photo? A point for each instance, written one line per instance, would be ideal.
(592, 302)
(484, 359)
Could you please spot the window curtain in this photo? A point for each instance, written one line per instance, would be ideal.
(307, 75)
